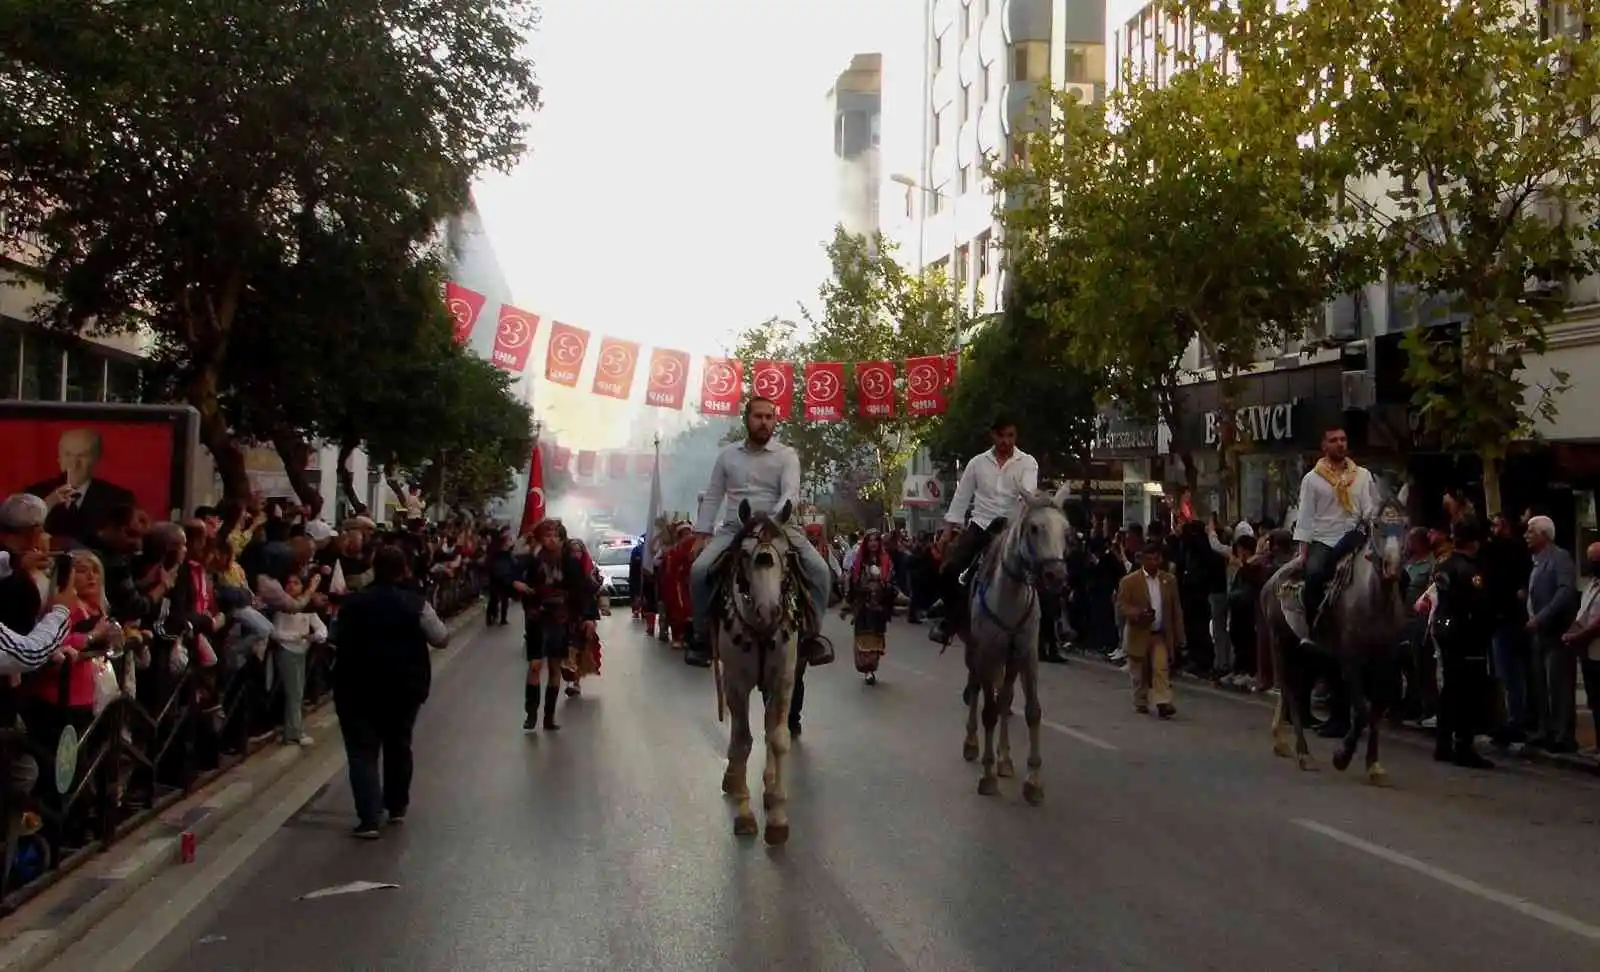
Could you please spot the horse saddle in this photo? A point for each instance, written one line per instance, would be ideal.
(1292, 593)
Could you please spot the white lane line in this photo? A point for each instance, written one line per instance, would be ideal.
(1079, 735)
(1521, 906)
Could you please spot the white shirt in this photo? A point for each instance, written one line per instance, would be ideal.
(766, 475)
(1153, 585)
(1321, 519)
(1589, 605)
(990, 489)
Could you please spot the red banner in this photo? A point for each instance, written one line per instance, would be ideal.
(513, 339)
(721, 386)
(562, 458)
(586, 463)
(926, 381)
(775, 380)
(613, 371)
(617, 465)
(824, 398)
(875, 389)
(564, 358)
(669, 378)
(642, 463)
(464, 306)
(533, 506)
(952, 365)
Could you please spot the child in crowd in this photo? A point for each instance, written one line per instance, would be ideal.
(295, 632)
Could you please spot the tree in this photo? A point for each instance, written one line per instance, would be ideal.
(1179, 215)
(167, 155)
(1018, 367)
(872, 310)
(1470, 128)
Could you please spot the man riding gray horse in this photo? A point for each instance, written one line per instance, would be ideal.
(1337, 499)
(991, 486)
(766, 474)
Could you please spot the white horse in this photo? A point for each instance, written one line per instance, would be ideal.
(1002, 633)
(759, 600)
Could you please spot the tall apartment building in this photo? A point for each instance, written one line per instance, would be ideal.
(984, 62)
(856, 103)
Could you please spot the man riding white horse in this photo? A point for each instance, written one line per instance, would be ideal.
(766, 473)
(1337, 498)
(991, 486)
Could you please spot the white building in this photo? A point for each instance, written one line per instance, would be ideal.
(856, 104)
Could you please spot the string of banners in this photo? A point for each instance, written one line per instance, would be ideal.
(823, 392)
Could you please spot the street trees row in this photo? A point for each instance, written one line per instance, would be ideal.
(261, 188)
(1445, 147)
(871, 309)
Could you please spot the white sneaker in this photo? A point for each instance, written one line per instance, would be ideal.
(305, 740)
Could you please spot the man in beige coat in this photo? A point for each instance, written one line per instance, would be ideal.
(1152, 618)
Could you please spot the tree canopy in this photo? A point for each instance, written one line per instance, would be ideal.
(262, 187)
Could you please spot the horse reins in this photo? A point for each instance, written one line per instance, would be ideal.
(1028, 572)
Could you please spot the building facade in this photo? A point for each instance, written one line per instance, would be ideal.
(856, 104)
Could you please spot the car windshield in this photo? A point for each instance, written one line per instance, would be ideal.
(612, 556)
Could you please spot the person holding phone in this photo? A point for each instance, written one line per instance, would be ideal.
(80, 588)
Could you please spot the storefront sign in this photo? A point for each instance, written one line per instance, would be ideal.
(1113, 433)
(1257, 423)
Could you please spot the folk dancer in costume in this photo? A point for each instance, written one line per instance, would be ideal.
(636, 578)
(1337, 498)
(583, 652)
(557, 596)
(766, 473)
(872, 595)
(673, 583)
(990, 488)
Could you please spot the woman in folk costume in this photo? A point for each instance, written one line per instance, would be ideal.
(558, 598)
(871, 602)
(674, 583)
(583, 654)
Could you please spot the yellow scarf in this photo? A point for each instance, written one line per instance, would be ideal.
(1341, 478)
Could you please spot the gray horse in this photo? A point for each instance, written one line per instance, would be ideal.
(1360, 629)
(1002, 634)
(758, 605)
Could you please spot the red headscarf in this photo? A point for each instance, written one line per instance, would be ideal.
(862, 555)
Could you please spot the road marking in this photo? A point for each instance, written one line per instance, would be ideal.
(901, 666)
(1080, 735)
(1521, 906)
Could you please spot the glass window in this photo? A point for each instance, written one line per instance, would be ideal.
(10, 362)
(966, 103)
(1030, 61)
(41, 368)
(938, 128)
(964, 180)
(982, 254)
(938, 52)
(86, 376)
(1077, 68)
(124, 382)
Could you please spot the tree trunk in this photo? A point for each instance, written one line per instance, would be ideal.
(296, 455)
(347, 479)
(215, 435)
(1491, 483)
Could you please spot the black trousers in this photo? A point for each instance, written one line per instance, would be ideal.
(379, 734)
(960, 555)
(797, 698)
(499, 601)
(1321, 562)
(1465, 698)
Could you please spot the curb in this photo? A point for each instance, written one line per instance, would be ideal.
(54, 919)
(1412, 735)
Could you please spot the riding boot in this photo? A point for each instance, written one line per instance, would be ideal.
(551, 693)
(1295, 616)
(530, 706)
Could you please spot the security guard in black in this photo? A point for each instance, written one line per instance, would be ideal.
(1463, 626)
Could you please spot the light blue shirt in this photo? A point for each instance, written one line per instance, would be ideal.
(766, 475)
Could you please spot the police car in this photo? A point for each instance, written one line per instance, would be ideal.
(611, 554)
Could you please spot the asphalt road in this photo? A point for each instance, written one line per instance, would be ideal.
(1171, 846)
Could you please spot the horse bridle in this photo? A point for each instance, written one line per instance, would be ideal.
(1023, 566)
(738, 595)
(1385, 525)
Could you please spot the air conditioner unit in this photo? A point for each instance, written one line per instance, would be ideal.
(1358, 390)
(1085, 92)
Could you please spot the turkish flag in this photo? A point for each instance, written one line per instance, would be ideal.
(563, 359)
(613, 371)
(721, 386)
(533, 507)
(875, 389)
(513, 338)
(464, 306)
(586, 463)
(774, 380)
(927, 379)
(669, 378)
(824, 397)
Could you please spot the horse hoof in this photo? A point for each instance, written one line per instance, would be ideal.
(1377, 775)
(745, 826)
(776, 834)
(1341, 760)
(969, 752)
(1306, 763)
(1006, 769)
(1281, 748)
(1033, 793)
(988, 786)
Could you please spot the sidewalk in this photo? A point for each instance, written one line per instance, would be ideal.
(1583, 762)
(61, 914)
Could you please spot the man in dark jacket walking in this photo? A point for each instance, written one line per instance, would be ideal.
(380, 682)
